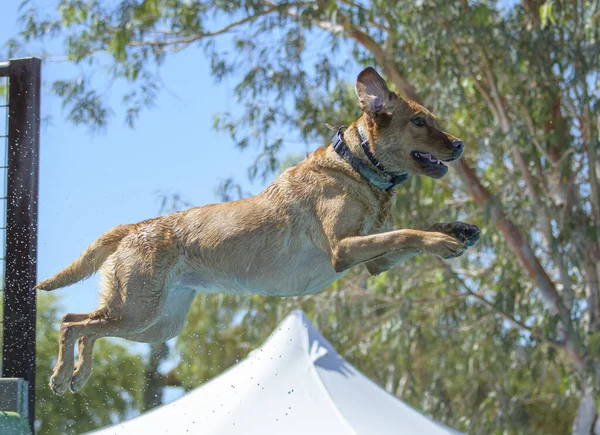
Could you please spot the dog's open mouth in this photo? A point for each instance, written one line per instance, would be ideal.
(430, 166)
(426, 159)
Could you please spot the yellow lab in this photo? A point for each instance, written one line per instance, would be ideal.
(303, 232)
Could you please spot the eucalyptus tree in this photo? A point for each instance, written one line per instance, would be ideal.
(498, 340)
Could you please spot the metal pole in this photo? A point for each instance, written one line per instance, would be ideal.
(18, 345)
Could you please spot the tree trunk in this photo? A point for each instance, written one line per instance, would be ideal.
(586, 420)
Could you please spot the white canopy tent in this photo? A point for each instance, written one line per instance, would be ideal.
(295, 383)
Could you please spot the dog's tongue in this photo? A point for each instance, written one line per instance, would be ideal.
(431, 159)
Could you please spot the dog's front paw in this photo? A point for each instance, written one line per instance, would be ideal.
(467, 233)
(443, 245)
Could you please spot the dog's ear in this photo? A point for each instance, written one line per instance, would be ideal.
(374, 96)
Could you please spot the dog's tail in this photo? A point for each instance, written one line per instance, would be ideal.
(89, 261)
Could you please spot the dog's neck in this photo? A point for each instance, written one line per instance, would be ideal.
(353, 146)
(366, 148)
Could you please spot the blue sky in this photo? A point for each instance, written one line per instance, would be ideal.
(90, 183)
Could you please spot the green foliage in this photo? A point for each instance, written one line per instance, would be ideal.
(3, 91)
(473, 342)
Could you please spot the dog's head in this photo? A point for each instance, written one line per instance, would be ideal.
(403, 135)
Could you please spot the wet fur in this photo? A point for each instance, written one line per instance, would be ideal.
(301, 234)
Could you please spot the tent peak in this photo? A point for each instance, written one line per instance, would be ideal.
(314, 344)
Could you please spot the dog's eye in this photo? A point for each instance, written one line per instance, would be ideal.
(419, 121)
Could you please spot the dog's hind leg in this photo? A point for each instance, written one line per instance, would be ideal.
(64, 363)
(171, 322)
(116, 321)
(98, 324)
(134, 290)
(168, 326)
(83, 369)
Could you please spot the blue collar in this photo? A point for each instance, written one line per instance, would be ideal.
(381, 179)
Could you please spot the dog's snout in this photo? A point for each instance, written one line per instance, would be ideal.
(458, 144)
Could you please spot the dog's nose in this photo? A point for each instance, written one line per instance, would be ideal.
(458, 144)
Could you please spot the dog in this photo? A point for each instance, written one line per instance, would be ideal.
(317, 220)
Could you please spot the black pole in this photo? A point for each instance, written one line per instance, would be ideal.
(18, 345)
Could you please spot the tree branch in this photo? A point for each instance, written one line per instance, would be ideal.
(519, 246)
(344, 25)
(197, 36)
(557, 256)
(483, 300)
(524, 253)
(514, 238)
(593, 164)
(592, 291)
(531, 127)
(389, 67)
(368, 12)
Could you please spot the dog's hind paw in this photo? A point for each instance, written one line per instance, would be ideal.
(75, 386)
(59, 388)
(80, 377)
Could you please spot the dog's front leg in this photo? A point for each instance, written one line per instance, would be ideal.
(351, 251)
(465, 233)
(389, 261)
(394, 258)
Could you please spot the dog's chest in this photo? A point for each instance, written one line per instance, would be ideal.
(376, 216)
